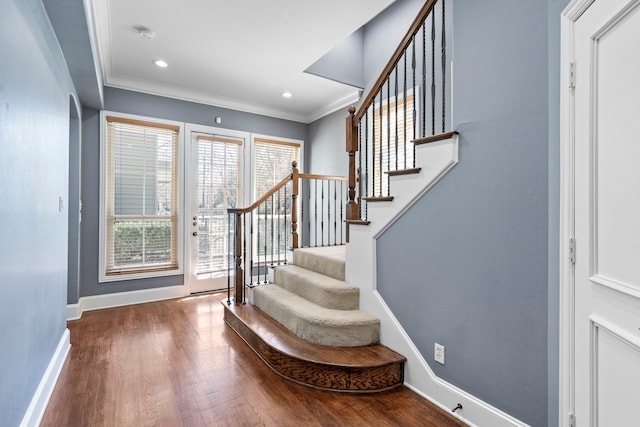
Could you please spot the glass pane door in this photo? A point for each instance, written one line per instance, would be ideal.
(216, 185)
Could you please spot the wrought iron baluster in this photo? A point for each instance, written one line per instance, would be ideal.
(444, 68)
(322, 213)
(264, 258)
(404, 108)
(433, 74)
(244, 248)
(273, 239)
(415, 97)
(279, 221)
(257, 251)
(286, 228)
(388, 132)
(315, 220)
(236, 262)
(366, 162)
(342, 202)
(229, 258)
(244, 251)
(373, 150)
(381, 148)
(424, 78)
(309, 205)
(335, 212)
(396, 116)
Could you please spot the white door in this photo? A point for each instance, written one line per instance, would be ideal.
(607, 214)
(215, 176)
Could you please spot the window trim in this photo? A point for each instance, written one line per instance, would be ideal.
(102, 259)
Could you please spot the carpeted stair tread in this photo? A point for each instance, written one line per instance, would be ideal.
(318, 288)
(327, 260)
(321, 325)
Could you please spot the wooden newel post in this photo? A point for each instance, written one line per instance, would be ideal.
(353, 210)
(294, 204)
(239, 285)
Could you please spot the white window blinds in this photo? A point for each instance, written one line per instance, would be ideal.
(272, 163)
(219, 186)
(392, 150)
(141, 196)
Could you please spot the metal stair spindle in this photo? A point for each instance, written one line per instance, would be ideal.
(414, 113)
(404, 110)
(444, 68)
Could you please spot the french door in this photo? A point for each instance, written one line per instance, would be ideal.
(215, 177)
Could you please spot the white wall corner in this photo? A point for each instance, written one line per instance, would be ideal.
(41, 397)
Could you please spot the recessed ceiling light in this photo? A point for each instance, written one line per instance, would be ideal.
(161, 63)
(287, 94)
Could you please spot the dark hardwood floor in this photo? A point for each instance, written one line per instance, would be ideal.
(176, 363)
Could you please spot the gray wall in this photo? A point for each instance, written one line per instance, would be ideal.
(343, 63)
(159, 107)
(326, 149)
(34, 138)
(467, 266)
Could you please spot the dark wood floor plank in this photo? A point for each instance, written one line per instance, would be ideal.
(175, 363)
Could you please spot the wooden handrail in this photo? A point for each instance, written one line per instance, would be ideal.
(264, 197)
(328, 177)
(386, 72)
(281, 184)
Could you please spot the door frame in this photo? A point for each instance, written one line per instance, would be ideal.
(570, 15)
(189, 129)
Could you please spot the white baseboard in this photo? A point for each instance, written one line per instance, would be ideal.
(73, 311)
(119, 299)
(40, 399)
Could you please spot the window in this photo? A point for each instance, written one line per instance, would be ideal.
(140, 199)
(392, 151)
(272, 161)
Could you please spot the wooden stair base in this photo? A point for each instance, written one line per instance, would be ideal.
(367, 369)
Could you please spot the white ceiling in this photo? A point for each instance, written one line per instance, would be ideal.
(239, 54)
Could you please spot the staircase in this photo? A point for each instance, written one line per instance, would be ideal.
(305, 321)
(307, 327)
(312, 300)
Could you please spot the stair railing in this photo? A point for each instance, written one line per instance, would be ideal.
(406, 106)
(264, 234)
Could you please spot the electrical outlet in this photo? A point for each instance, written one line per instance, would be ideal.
(438, 353)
